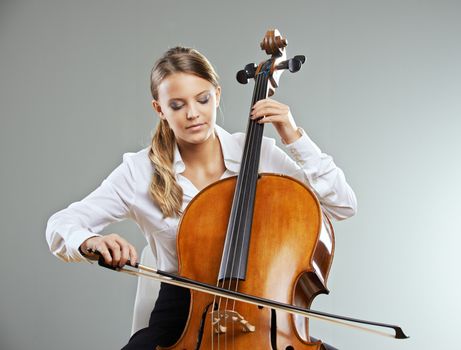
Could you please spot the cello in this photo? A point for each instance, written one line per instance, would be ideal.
(276, 260)
(248, 250)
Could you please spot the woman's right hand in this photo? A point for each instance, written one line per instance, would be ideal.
(115, 250)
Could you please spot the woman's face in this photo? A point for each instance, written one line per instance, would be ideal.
(188, 103)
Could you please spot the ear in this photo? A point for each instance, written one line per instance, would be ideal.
(218, 95)
(157, 109)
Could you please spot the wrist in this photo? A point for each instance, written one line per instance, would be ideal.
(83, 252)
(83, 248)
(292, 137)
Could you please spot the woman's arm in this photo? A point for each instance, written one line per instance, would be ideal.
(110, 202)
(307, 163)
(317, 170)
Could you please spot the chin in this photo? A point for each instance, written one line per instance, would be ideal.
(198, 138)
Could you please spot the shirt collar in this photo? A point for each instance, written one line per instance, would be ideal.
(231, 149)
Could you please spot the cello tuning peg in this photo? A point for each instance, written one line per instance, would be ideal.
(250, 68)
(295, 63)
(242, 77)
(248, 72)
(301, 58)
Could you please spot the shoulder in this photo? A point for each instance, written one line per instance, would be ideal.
(138, 162)
(138, 158)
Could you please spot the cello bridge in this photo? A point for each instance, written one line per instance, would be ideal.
(221, 320)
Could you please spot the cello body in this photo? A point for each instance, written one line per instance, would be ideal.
(281, 266)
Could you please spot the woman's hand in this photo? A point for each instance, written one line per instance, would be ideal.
(271, 111)
(115, 250)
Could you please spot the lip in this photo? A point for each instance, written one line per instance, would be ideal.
(195, 126)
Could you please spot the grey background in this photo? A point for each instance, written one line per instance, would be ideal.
(380, 92)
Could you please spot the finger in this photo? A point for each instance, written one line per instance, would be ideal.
(266, 101)
(265, 104)
(269, 111)
(133, 256)
(271, 119)
(125, 249)
(102, 249)
(124, 254)
(268, 104)
(114, 249)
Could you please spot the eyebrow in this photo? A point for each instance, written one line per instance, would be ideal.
(181, 99)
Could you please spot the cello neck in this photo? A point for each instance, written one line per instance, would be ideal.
(235, 254)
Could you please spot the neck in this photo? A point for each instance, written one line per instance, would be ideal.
(201, 155)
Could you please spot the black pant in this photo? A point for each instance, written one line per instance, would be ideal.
(167, 320)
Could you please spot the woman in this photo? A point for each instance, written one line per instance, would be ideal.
(188, 152)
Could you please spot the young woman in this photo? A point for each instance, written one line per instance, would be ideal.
(188, 152)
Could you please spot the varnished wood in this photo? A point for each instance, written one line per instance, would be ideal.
(282, 249)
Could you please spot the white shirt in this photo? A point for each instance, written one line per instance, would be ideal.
(125, 194)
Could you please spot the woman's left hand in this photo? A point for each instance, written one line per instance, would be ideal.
(271, 111)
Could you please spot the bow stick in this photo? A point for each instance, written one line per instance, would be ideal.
(171, 278)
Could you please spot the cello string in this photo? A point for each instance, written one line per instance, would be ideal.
(244, 193)
(246, 171)
(242, 189)
(211, 324)
(231, 225)
(253, 174)
(246, 177)
(238, 198)
(236, 214)
(254, 164)
(235, 227)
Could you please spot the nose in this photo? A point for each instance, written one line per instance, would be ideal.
(192, 112)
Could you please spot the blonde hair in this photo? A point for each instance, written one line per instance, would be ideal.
(164, 189)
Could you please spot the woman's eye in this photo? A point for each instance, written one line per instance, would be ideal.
(204, 100)
(176, 107)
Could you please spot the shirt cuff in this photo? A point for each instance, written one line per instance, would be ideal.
(74, 243)
(304, 149)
